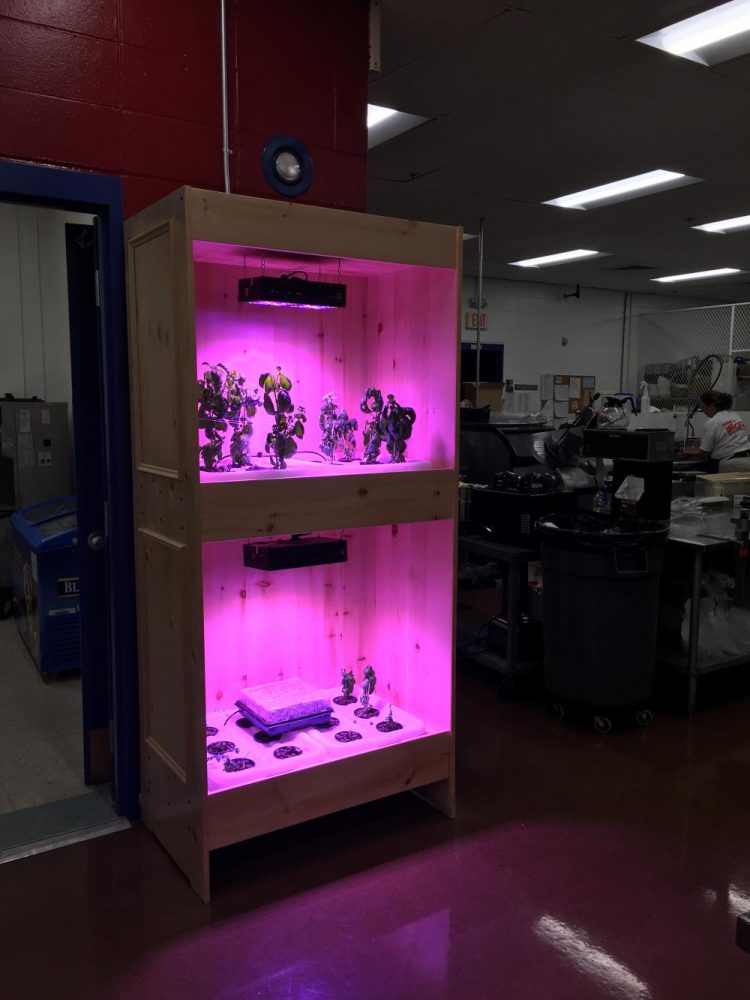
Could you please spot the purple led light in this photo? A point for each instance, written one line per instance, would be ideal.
(286, 305)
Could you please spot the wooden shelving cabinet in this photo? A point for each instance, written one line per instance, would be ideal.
(207, 625)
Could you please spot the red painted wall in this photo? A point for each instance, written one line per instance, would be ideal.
(133, 87)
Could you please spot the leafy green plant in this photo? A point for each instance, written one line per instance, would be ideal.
(224, 403)
(396, 422)
(389, 422)
(338, 430)
(372, 404)
(289, 424)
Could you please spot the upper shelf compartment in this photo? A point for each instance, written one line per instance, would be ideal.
(397, 333)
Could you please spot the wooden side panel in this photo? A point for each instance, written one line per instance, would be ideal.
(280, 506)
(174, 815)
(168, 565)
(165, 695)
(158, 416)
(265, 223)
(302, 795)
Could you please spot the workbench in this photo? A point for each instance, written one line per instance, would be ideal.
(695, 552)
(515, 560)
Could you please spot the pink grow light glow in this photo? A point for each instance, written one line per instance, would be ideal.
(287, 305)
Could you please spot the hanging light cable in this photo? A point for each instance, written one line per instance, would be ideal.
(480, 285)
(226, 151)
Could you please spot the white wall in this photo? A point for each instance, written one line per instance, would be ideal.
(531, 319)
(34, 332)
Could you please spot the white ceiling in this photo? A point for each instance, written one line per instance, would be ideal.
(529, 101)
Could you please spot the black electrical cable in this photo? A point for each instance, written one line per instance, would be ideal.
(696, 406)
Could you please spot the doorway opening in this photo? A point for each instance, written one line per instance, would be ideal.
(68, 722)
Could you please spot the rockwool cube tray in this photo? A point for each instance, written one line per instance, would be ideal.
(283, 705)
(351, 734)
(230, 741)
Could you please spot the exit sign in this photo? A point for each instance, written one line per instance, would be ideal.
(473, 319)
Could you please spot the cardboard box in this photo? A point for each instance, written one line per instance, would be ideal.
(490, 394)
(722, 484)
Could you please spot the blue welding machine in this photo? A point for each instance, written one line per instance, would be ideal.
(45, 579)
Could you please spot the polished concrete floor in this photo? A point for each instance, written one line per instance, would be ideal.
(580, 867)
(43, 798)
(41, 746)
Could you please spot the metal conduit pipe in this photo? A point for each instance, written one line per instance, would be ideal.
(480, 286)
(226, 151)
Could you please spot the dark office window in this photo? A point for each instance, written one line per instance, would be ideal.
(490, 363)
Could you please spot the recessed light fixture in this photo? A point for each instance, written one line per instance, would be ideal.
(714, 36)
(627, 187)
(557, 258)
(726, 225)
(387, 123)
(717, 272)
(287, 165)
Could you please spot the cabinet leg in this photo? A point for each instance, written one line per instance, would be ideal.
(693, 644)
(441, 795)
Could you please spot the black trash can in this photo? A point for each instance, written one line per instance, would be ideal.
(601, 605)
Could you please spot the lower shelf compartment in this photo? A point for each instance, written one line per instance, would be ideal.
(259, 807)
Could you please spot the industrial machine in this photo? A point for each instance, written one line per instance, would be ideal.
(36, 462)
(512, 479)
(644, 455)
(46, 590)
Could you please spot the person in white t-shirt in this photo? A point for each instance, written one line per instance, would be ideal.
(724, 438)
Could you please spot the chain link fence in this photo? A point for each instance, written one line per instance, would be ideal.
(682, 353)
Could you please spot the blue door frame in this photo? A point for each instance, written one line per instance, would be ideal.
(98, 195)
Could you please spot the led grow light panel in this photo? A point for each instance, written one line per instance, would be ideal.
(397, 333)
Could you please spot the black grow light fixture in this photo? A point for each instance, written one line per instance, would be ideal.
(292, 290)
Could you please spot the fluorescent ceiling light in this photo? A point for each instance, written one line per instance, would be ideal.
(376, 114)
(628, 187)
(556, 258)
(726, 225)
(717, 272)
(714, 36)
(387, 123)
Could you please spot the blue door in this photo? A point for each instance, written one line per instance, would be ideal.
(88, 432)
(99, 364)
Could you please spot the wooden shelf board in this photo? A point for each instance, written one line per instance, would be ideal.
(252, 810)
(252, 509)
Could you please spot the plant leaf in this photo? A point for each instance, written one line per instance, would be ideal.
(268, 405)
(284, 382)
